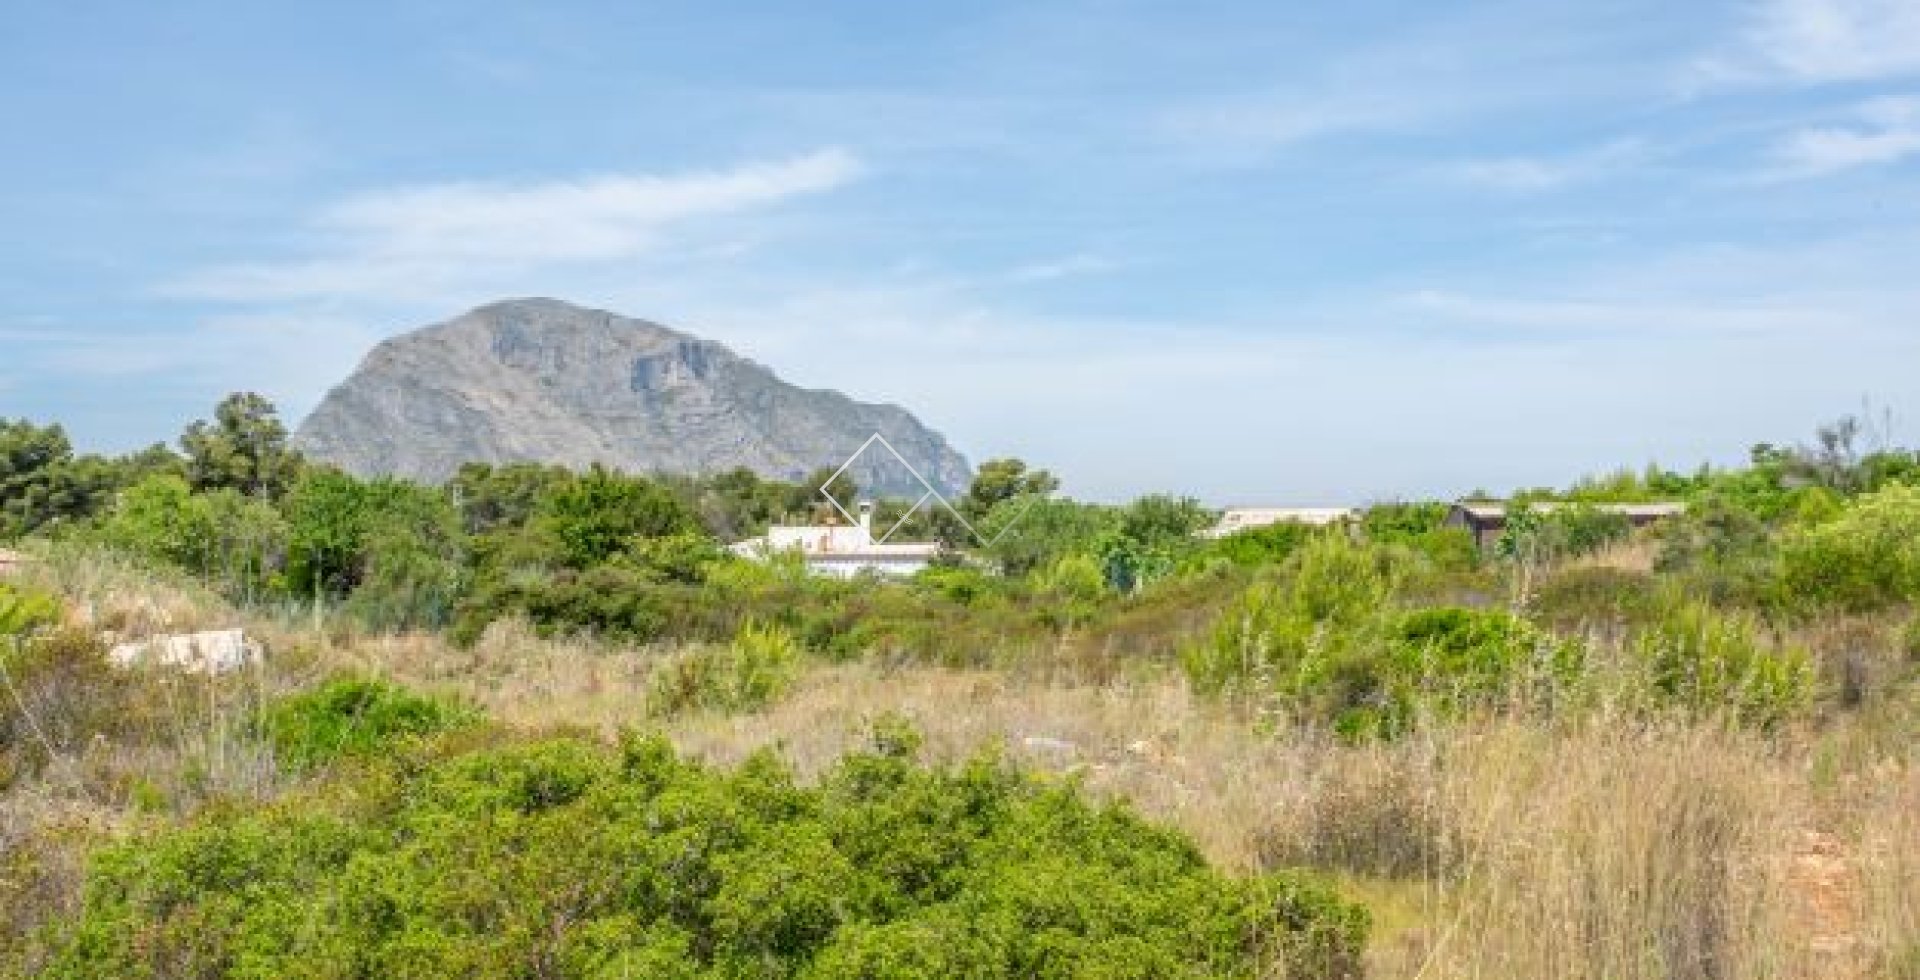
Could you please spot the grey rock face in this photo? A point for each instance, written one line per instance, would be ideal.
(538, 380)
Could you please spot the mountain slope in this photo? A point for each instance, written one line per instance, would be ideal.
(539, 380)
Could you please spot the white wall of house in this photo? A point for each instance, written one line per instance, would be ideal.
(840, 551)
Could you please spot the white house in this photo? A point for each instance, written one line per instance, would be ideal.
(1246, 518)
(831, 549)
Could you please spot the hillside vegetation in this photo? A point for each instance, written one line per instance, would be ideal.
(539, 723)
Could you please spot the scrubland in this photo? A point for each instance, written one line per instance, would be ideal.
(543, 726)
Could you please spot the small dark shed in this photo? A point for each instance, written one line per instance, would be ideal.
(1487, 520)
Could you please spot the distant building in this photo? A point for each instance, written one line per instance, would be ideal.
(843, 552)
(1235, 519)
(1486, 520)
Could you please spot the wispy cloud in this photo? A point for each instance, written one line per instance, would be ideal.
(1528, 174)
(1263, 124)
(399, 242)
(1885, 131)
(1820, 41)
(1064, 267)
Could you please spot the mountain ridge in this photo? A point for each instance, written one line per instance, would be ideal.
(542, 380)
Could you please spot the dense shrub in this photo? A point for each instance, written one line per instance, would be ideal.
(753, 670)
(567, 859)
(1073, 586)
(395, 549)
(612, 601)
(1269, 545)
(61, 696)
(601, 513)
(355, 717)
(1326, 642)
(1459, 656)
(1593, 595)
(965, 585)
(23, 610)
(1723, 551)
(1708, 662)
(1542, 535)
(1867, 557)
(223, 536)
(1303, 637)
(1421, 528)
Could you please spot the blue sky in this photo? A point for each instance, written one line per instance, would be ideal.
(1253, 252)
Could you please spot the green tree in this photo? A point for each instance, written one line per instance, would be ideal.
(29, 456)
(1001, 480)
(393, 547)
(1022, 535)
(601, 513)
(160, 520)
(805, 497)
(1151, 537)
(326, 533)
(244, 448)
(493, 498)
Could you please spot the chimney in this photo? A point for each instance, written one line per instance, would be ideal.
(866, 521)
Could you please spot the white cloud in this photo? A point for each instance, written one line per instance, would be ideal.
(405, 243)
(1064, 267)
(1886, 131)
(1649, 319)
(1261, 125)
(1545, 173)
(1821, 41)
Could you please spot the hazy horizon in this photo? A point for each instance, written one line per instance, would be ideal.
(1254, 255)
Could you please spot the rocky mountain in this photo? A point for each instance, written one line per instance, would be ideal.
(539, 380)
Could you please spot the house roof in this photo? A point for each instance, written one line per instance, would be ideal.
(1245, 518)
(1303, 514)
(1489, 510)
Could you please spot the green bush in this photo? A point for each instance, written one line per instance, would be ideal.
(1708, 662)
(23, 610)
(394, 549)
(962, 584)
(1073, 585)
(1421, 528)
(355, 717)
(600, 513)
(1593, 595)
(751, 672)
(1867, 557)
(62, 697)
(1269, 545)
(563, 858)
(1458, 657)
(1326, 642)
(1723, 551)
(1304, 637)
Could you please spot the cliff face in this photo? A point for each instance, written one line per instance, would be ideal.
(543, 381)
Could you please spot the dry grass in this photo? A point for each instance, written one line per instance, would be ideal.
(1638, 553)
(1606, 847)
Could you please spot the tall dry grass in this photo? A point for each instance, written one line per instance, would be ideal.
(1605, 847)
